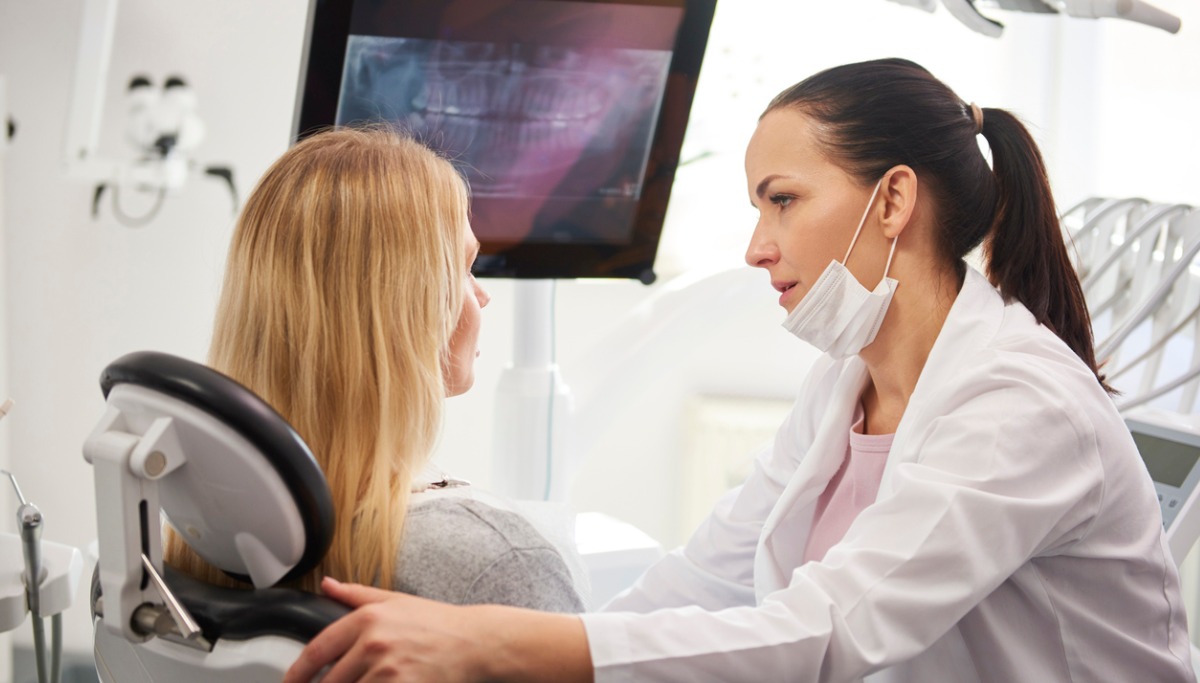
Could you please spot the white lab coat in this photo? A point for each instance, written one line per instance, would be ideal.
(1016, 536)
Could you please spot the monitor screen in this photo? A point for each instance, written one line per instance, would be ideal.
(565, 116)
(1169, 461)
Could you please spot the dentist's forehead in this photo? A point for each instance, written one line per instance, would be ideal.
(784, 147)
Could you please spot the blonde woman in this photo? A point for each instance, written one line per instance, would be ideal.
(349, 306)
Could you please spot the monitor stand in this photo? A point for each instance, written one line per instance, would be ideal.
(532, 451)
(530, 455)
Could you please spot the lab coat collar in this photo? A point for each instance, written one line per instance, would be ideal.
(973, 320)
(779, 554)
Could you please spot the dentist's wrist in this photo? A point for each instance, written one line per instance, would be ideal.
(526, 646)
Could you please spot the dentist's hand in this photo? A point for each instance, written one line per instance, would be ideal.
(396, 637)
(390, 637)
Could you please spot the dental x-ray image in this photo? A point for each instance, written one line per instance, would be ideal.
(548, 108)
(566, 117)
(525, 120)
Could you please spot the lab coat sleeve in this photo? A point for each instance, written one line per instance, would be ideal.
(715, 569)
(1003, 474)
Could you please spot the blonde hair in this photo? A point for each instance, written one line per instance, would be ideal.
(344, 282)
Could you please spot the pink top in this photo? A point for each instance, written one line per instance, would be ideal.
(853, 488)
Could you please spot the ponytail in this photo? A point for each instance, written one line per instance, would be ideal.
(1027, 257)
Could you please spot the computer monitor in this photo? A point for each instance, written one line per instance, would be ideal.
(565, 116)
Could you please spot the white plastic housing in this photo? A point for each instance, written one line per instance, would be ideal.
(62, 564)
(227, 501)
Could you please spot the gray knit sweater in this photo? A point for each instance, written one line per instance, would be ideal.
(464, 551)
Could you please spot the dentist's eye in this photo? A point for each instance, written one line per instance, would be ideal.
(781, 200)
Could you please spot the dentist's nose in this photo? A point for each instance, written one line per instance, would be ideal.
(762, 252)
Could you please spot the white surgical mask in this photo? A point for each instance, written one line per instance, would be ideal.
(838, 315)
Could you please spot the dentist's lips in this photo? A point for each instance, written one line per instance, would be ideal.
(784, 288)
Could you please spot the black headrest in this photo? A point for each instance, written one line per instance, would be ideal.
(247, 414)
(236, 614)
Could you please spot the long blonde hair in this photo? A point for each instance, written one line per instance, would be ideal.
(344, 282)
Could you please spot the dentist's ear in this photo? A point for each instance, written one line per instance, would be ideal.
(899, 192)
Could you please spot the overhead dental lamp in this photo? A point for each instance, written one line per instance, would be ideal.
(967, 11)
(162, 124)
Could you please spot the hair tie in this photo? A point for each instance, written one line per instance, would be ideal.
(977, 116)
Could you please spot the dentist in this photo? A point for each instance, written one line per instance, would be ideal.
(954, 496)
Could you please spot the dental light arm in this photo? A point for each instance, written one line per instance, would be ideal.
(927, 5)
(967, 11)
(1131, 10)
(87, 92)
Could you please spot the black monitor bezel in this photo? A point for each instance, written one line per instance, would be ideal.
(324, 53)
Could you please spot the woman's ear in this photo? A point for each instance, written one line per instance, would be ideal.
(899, 191)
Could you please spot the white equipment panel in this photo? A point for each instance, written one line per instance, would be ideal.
(1170, 446)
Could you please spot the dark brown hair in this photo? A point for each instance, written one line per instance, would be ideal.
(875, 115)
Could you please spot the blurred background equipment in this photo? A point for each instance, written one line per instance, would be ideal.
(967, 11)
(162, 124)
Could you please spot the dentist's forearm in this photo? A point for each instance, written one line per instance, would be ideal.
(534, 647)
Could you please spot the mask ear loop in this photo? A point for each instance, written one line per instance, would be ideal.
(892, 252)
(863, 221)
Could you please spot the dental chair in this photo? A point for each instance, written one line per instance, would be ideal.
(1155, 351)
(1096, 227)
(1137, 262)
(1139, 266)
(183, 442)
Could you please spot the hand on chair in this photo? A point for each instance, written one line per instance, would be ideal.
(391, 637)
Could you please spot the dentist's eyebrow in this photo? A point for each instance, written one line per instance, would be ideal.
(761, 190)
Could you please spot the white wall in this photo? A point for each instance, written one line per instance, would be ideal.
(82, 292)
(1148, 98)
(7, 524)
